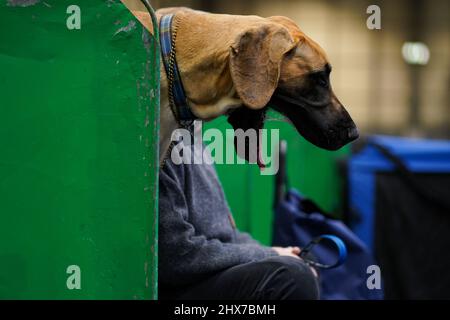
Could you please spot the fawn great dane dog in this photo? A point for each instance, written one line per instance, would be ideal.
(239, 65)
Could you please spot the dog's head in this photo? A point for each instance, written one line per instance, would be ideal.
(276, 64)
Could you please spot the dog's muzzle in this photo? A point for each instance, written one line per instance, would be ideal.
(325, 125)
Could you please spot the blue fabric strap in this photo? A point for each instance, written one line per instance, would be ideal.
(342, 251)
(183, 114)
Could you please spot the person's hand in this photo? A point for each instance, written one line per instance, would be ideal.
(292, 252)
(288, 251)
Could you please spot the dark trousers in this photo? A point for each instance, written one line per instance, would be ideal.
(275, 278)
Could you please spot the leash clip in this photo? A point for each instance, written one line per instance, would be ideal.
(340, 245)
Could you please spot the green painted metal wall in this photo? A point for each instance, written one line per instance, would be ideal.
(311, 170)
(78, 137)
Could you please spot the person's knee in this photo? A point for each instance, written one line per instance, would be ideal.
(289, 278)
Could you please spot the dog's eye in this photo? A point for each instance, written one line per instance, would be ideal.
(291, 52)
(323, 82)
(322, 79)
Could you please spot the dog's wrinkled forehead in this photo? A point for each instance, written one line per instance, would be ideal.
(293, 29)
(312, 55)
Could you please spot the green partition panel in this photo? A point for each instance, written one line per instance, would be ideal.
(79, 152)
(311, 170)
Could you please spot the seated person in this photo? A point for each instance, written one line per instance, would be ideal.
(203, 256)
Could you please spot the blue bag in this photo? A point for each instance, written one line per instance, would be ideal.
(298, 221)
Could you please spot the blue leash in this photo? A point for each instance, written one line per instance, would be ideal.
(342, 250)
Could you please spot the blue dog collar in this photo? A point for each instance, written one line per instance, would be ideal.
(342, 251)
(177, 97)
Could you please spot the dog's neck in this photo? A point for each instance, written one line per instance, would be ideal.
(203, 62)
(168, 122)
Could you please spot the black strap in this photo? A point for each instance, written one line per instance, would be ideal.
(429, 193)
(281, 180)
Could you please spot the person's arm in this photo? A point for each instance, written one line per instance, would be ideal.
(185, 255)
(244, 237)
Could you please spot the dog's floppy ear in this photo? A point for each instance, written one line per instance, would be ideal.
(255, 60)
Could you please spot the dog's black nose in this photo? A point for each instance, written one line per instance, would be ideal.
(352, 133)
